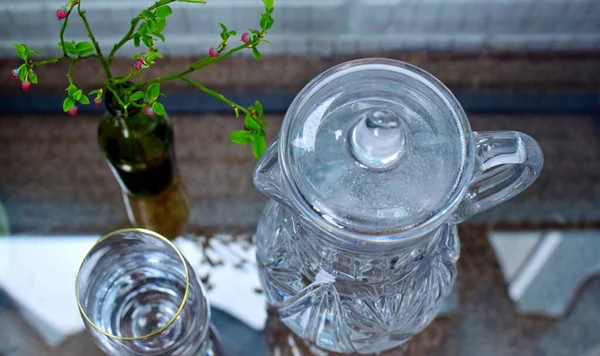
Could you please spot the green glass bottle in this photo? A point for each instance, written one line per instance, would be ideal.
(139, 148)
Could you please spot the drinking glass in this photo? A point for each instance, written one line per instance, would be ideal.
(138, 295)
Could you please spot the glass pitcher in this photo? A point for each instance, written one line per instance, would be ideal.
(374, 166)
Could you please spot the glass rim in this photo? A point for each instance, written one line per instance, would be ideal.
(181, 306)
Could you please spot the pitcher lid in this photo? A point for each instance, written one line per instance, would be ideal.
(376, 146)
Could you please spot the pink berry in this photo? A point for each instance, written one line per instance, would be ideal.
(245, 37)
(61, 14)
(97, 101)
(138, 64)
(213, 52)
(73, 111)
(14, 73)
(26, 85)
(149, 111)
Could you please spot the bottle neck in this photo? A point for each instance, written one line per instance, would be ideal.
(114, 107)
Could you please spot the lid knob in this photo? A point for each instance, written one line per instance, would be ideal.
(377, 140)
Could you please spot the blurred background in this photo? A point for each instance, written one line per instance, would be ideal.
(528, 280)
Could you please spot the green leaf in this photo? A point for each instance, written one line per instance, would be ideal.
(160, 36)
(259, 146)
(77, 95)
(158, 108)
(266, 21)
(152, 55)
(259, 108)
(136, 40)
(22, 51)
(143, 29)
(262, 122)
(93, 92)
(262, 133)
(153, 91)
(84, 48)
(148, 41)
(22, 72)
(147, 14)
(251, 124)
(164, 11)
(84, 100)
(69, 47)
(266, 41)
(33, 77)
(71, 90)
(242, 137)
(137, 96)
(159, 26)
(68, 104)
(37, 53)
(224, 32)
(269, 4)
(256, 53)
(263, 21)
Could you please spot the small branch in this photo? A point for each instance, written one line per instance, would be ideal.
(59, 58)
(105, 65)
(198, 65)
(214, 94)
(63, 28)
(117, 97)
(133, 25)
(47, 61)
(71, 65)
(124, 40)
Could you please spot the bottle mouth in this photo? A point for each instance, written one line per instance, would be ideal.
(112, 104)
(379, 142)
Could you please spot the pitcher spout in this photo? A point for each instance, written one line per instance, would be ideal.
(268, 176)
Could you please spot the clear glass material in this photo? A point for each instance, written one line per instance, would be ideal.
(375, 164)
(138, 296)
(375, 146)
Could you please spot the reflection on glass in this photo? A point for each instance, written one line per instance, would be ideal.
(138, 296)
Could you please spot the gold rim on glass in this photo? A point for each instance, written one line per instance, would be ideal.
(185, 295)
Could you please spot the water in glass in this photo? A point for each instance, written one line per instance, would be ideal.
(131, 286)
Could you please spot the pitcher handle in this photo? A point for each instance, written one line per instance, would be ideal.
(506, 162)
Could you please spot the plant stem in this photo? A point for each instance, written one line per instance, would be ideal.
(47, 61)
(133, 25)
(71, 65)
(63, 28)
(105, 65)
(197, 65)
(215, 94)
(117, 97)
(58, 59)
